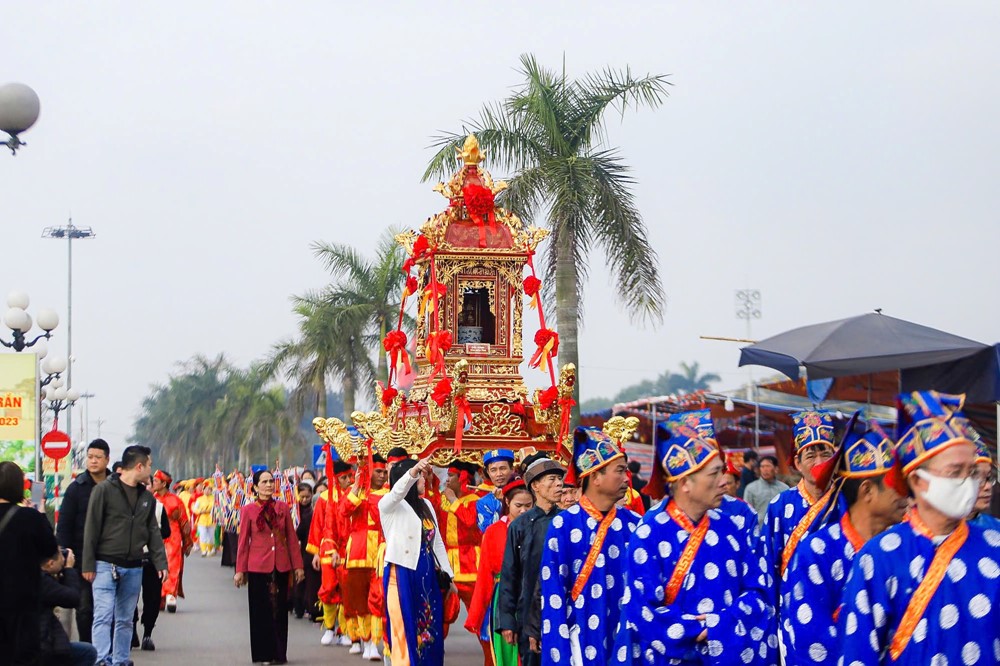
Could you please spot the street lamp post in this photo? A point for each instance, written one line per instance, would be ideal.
(748, 307)
(70, 233)
(19, 107)
(20, 323)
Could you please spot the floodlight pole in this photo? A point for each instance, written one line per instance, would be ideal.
(748, 307)
(69, 232)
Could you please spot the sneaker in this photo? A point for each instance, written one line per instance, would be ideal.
(355, 648)
(171, 603)
(345, 641)
(368, 651)
(147, 643)
(328, 637)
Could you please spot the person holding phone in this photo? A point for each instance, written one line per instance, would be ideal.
(416, 569)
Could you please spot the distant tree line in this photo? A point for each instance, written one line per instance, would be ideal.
(688, 380)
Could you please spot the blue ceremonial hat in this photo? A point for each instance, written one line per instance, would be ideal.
(983, 454)
(863, 454)
(684, 444)
(931, 422)
(257, 468)
(592, 450)
(690, 446)
(869, 454)
(812, 428)
(496, 455)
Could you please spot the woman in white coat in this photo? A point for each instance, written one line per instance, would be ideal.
(414, 556)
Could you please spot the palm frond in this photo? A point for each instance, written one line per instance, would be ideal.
(619, 228)
(612, 89)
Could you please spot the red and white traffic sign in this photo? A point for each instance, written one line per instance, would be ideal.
(56, 444)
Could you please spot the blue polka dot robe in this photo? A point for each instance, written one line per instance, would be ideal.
(783, 515)
(811, 594)
(582, 632)
(961, 624)
(728, 583)
(742, 514)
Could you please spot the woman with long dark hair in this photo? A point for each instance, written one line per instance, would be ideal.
(416, 569)
(267, 554)
(516, 500)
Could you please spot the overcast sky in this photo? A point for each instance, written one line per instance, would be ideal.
(839, 157)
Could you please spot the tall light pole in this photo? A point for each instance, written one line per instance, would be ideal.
(85, 430)
(70, 233)
(748, 307)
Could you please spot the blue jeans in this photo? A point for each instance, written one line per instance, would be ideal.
(82, 654)
(114, 602)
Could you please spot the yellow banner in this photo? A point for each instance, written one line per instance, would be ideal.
(18, 408)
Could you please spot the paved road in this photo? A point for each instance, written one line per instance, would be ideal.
(211, 627)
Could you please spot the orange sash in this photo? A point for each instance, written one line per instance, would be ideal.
(690, 549)
(596, 547)
(803, 526)
(929, 585)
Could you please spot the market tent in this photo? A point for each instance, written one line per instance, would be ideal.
(866, 343)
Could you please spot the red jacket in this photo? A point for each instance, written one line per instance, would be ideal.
(490, 563)
(263, 551)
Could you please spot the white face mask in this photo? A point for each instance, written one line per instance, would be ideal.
(952, 497)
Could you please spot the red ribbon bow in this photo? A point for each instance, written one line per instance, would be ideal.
(395, 345)
(548, 346)
(481, 205)
(388, 396)
(411, 287)
(548, 397)
(531, 287)
(432, 292)
(437, 345)
(420, 249)
(441, 392)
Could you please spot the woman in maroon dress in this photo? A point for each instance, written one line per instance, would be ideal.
(267, 554)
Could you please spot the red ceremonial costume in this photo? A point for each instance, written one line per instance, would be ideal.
(360, 514)
(178, 544)
(462, 539)
(490, 563)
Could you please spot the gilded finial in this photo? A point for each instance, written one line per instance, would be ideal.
(470, 152)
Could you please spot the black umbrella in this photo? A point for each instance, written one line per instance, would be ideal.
(868, 343)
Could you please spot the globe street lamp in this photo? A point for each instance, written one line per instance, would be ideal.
(19, 107)
(60, 398)
(19, 321)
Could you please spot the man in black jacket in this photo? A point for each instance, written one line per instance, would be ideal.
(60, 587)
(523, 555)
(152, 590)
(121, 524)
(73, 516)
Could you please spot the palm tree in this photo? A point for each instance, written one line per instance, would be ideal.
(177, 417)
(254, 417)
(690, 379)
(369, 291)
(331, 345)
(550, 133)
